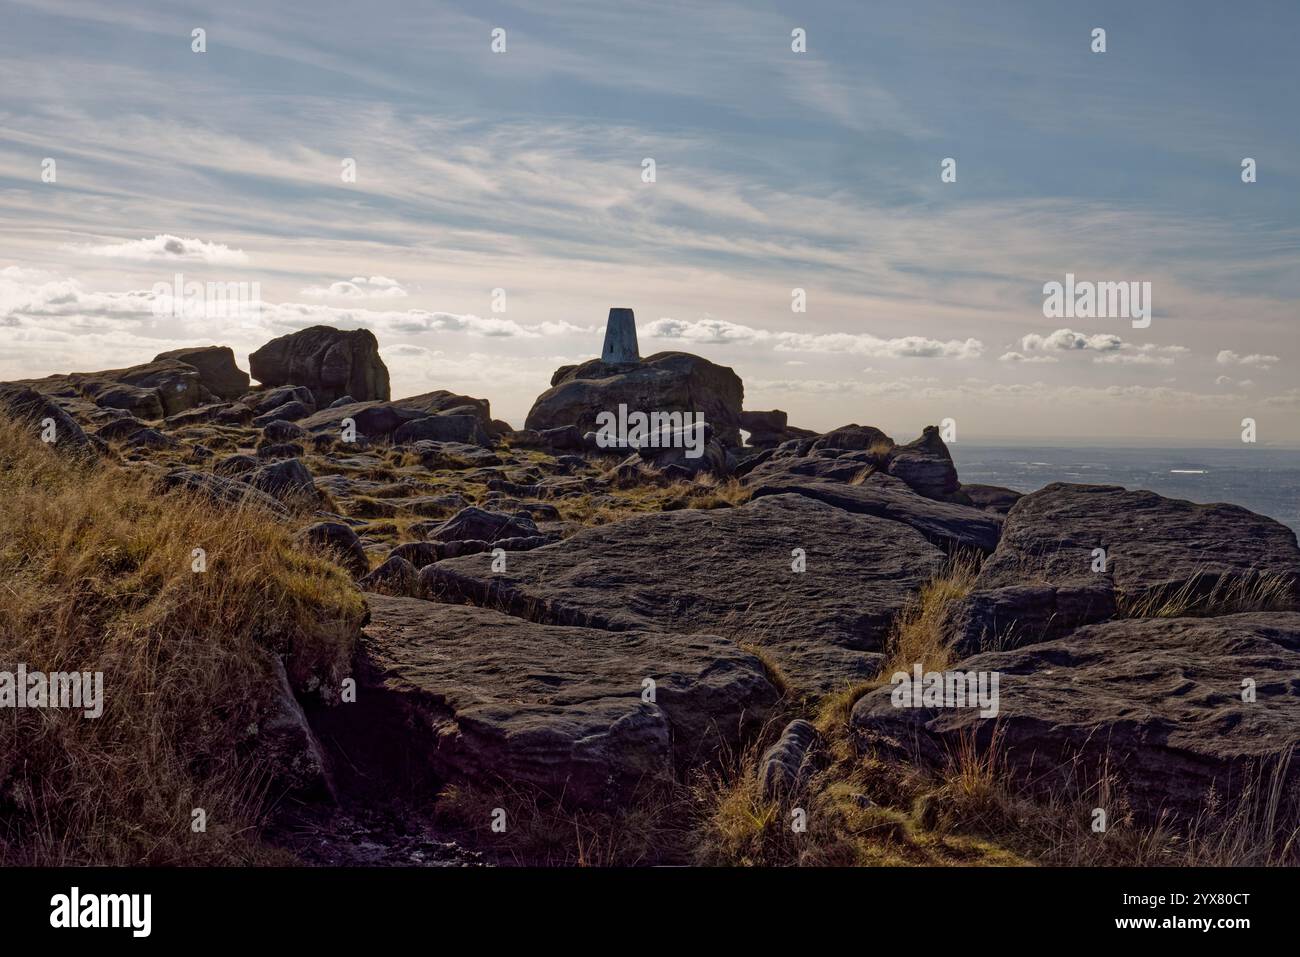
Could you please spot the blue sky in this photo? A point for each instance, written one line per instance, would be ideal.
(775, 170)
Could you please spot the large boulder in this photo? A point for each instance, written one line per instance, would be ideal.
(1157, 702)
(725, 571)
(218, 372)
(221, 490)
(474, 523)
(926, 466)
(499, 699)
(665, 382)
(466, 429)
(151, 391)
(37, 411)
(770, 429)
(331, 362)
(1071, 555)
(376, 420)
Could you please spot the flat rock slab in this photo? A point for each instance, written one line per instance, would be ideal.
(1161, 555)
(1159, 699)
(951, 527)
(721, 571)
(561, 708)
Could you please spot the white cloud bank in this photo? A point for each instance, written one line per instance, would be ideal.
(710, 330)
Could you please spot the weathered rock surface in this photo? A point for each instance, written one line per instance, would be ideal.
(288, 480)
(1158, 700)
(466, 429)
(381, 419)
(560, 708)
(721, 571)
(330, 362)
(175, 386)
(769, 429)
(992, 498)
(340, 540)
(33, 410)
(1039, 583)
(218, 372)
(221, 490)
(925, 465)
(786, 766)
(951, 527)
(476, 523)
(665, 382)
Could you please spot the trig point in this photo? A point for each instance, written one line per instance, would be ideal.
(620, 338)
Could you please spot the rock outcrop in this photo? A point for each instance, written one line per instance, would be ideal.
(665, 382)
(1071, 555)
(216, 366)
(587, 715)
(723, 571)
(330, 362)
(382, 420)
(37, 411)
(1159, 702)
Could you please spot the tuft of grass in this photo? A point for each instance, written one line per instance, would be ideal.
(97, 573)
(1209, 595)
(918, 634)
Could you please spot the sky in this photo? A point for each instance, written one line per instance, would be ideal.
(500, 204)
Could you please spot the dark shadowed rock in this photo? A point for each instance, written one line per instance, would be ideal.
(270, 399)
(280, 430)
(847, 438)
(342, 542)
(286, 480)
(925, 465)
(992, 498)
(218, 372)
(395, 576)
(35, 410)
(175, 385)
(221, 490)
(722, 571)
(1161, 555)
(218, 413)
(786, 766)
(381, 419)
(466, 429)
(1158, 700)
(283, 742)
(330, 362)
(235, 464)
(119, 430)
(666, 382)
(476, 523)
(951, 527)
(560, 708)
(288, 412)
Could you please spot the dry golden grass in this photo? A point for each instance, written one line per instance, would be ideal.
(652, 828)
(918, 634)
(96, 573)
(864, 809)
(1213, 595)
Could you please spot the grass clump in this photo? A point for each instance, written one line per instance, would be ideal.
(98, 572)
